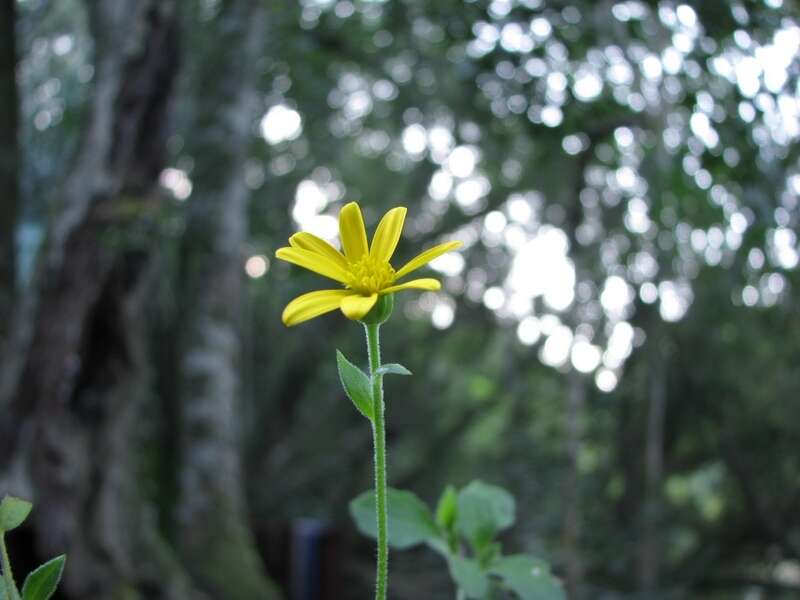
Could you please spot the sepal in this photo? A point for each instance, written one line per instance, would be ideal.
(381, 312)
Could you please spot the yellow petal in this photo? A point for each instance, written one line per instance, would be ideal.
(312, 305)
(352, 232)
(429, 284)
(388, 234)
(313, 262)
(356, 307)
(308, 241)
(424, 258)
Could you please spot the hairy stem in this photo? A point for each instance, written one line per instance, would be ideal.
(379, 436)
(8, 576)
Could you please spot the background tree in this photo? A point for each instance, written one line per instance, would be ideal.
(8, 159)
(215, 536)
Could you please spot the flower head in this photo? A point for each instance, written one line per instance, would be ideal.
(364, 270)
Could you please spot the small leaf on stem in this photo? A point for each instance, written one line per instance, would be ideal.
(42, 582)
(392, 369)
(13, 513)
(356, 385)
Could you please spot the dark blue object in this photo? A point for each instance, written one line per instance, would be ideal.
(306, 559)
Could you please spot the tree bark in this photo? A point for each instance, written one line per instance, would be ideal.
(576, 406)
(649, 555)
(215, 537)
(76, 433)
(9, 159)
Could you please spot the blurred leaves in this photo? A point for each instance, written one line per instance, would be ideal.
(468, 576)
(528, 577)
(470, 517)
(410, 521)
(483, 511)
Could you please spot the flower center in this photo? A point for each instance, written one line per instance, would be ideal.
(368, 275)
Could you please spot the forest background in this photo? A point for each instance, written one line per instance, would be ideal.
(617, 343)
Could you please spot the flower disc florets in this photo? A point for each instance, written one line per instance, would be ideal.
(369, 275)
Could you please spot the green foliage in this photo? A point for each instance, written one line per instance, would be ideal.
(528, 577)
(356, 385)
(392, 369)
(410, 521)
(468, 576)
(465, 519)
(483, 510)
(446, 508)
(41, 583)
(13, 513)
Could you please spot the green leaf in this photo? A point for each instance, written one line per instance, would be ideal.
(528, 577)
(42, 582)
(447, 508)
(483, 510)
(488, 553)
(410, 521)
(392, 369)
(3, 595)
(468, 575)
(13, 512)
(356, 385)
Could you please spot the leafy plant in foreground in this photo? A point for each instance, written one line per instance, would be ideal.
(41, 583)
(463, 531)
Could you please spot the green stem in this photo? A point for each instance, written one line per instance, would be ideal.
(460, 595)
(379, 437)
(8, 575)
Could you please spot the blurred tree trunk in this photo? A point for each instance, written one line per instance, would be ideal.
(81, 419)
(576, 407)
(576, 382)
(215, 536)
(649, 554)
(9, 116)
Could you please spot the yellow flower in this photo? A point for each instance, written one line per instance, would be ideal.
(364, 270)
